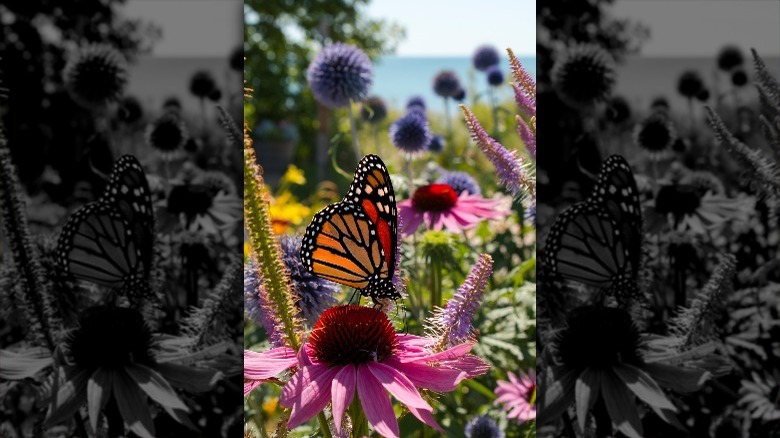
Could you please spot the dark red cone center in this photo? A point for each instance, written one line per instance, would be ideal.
(352, 334)
(434, 197)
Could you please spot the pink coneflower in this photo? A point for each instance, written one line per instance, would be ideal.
(265, 366)
(439, 206)
(518, 396)
(355, 350)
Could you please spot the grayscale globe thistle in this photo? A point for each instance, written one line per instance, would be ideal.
(460, 182)
(96, 76)
(202, 84)
(411, 133)
(494, 75)
(130, 110)
(315, 294)
(655, 134)
(460, 95)
(340, 73)
(482, 426)
(584, 76)
(374, 110)
(730, 57)
(436, 144)
(703, 95)
(739, 78)
(446, 83)
(485, 57)
(690, 84)
(172, 104)
(167, 134)
(660, 104)
(618, 110)
(237, 59)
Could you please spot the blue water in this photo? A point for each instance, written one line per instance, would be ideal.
(397, 78)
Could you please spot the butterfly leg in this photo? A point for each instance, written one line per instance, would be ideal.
(353, 297)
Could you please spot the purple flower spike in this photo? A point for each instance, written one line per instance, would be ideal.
(454, 320)
(339, 74)
(527, 136)
(508, 166)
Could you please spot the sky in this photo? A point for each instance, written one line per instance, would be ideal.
(194, 28)
(457, 27)
(686, 28)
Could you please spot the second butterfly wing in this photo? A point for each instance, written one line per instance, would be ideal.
(109, 242)
(598, 242)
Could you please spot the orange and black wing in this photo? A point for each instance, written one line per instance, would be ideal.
(372, 190)
(341, 244)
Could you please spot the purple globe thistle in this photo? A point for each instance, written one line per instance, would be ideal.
(482, 426)
(436, 144)
(495, 76)
(460, 182)
(374, 110)
(339, 74)
(584, 76)
(411, 133)
(530, 214)
(257, 305)
(314, 294)
(485, 57)
(460, 95)
(446, 83)
(415, 102)
(96, 76)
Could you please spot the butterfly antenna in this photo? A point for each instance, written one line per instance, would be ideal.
(592, 176)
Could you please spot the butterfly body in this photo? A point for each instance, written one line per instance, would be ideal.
(353, 242)
(110, 241)
(598, 241)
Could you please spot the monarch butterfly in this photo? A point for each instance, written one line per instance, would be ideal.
(598, 241)
(353, 242)
(109, 242)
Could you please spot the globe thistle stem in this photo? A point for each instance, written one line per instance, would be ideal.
(263, 247)
(447, 117)
(353, 129)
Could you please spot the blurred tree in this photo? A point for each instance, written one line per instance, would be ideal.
(43, 124)
(281, 38)
(560, 24)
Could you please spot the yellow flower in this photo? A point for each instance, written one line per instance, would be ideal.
(293, 175)
(286, 211)
(269, 406)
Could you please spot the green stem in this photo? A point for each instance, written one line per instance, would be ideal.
(447, 118)
(480, 388)
(324, 425)
(353, 129)
(358, 417)
(436, 277)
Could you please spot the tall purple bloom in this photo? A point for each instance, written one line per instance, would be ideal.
(508, 165)
(453, 322)
(446, 84)
(411, 133)
(485, 57)
(314, 294)
(527, 135)
(339, 74)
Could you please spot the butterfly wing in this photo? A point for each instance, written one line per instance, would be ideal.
(341, 244)
(598, 241)
(372, 190)
(109, 242)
